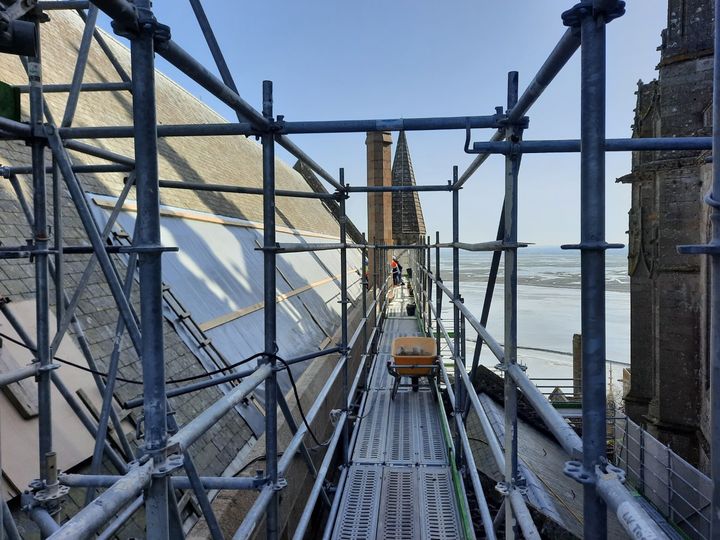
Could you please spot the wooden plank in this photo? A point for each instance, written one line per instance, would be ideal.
(211, 218)
(22, 394)
(19, 437)
(234, 315)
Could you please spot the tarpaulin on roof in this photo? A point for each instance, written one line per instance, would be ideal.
(19, 442)
(217, 274)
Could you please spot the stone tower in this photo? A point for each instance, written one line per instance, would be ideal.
(407, 220)
(379, 205)
(669, 319)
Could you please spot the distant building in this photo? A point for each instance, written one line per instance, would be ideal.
(669, 390)
(408, 224)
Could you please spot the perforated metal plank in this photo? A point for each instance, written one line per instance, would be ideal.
(375, 372)
(381, 379)
(401, 431)
(397, 327)
(399, 499)
(414, 432)
(372, 431)
(389, 333)
(394, 309)
(430, 441)
(359, 507)
(438, 507)
(399, 505)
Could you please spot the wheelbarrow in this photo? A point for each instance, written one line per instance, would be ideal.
(413, 357)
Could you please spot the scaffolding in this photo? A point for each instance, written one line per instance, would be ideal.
(147, 480)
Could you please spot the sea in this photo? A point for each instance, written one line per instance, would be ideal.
(548, 309)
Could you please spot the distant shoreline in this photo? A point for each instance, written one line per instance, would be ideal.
(558, 249)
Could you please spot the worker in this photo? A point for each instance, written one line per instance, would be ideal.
(366, 264)
(396, 271)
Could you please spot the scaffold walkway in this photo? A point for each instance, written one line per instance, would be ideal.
(401, 482)
(398, 475)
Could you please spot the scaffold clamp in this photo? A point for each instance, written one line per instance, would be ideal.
(172, 463)
(577, 471)
(280, 484)
(502, 488)
(608, 468)
(609, 9)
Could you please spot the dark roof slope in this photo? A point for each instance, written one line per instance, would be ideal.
(227, 160)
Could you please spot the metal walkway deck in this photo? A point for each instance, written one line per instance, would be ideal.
(400, 482)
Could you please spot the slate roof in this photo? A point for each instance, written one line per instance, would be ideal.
(224, 160)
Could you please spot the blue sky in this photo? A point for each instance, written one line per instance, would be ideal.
(382, 59)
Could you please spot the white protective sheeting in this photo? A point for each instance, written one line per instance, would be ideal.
(218, 276)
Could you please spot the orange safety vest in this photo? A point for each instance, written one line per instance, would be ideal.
(393, 264)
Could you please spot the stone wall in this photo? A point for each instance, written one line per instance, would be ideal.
(668, 290)
(379, 205)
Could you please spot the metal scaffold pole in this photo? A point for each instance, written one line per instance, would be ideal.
(58, 231)
(109, 387)
(715, 288)
(270, 312)
(489, 292)
(344, 320)
(559, 56)
(429, 296)
(147, 480)
(510, 237)
(364, 283)
(438, 293)
(592, 246)
(40, 239)
(458, 359)
(374, 278)
(2, 497)
(147, 239)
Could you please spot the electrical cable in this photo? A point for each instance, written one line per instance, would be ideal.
(132, 381)
(255, 460)
(300, 409)
(190, 378)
